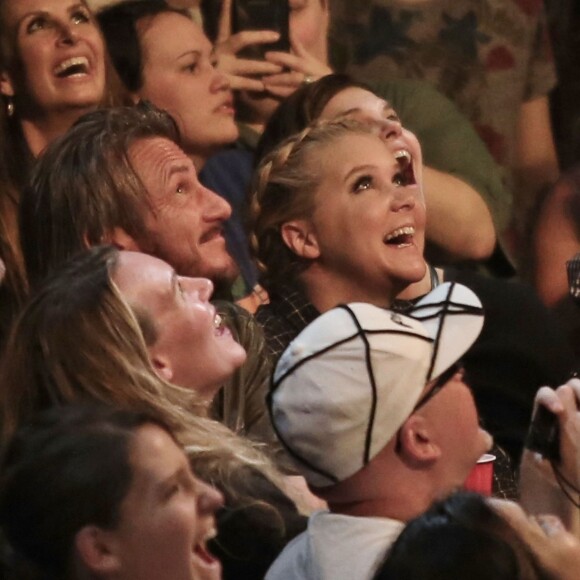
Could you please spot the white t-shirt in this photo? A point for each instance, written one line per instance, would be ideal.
(336, 547)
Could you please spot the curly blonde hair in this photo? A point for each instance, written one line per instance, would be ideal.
(283, 188)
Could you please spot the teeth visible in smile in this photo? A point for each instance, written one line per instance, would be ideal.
(217, 321)
(82, 61)
(200, 550)
(403, 154)
(406, 231)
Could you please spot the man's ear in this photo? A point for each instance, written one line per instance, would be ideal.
(417, 442)
(119, 238)
(162, 366)
(300, 237)
(98, 550)
(6, 85)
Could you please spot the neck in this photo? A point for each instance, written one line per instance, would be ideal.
(403, 508)
(325, 290)
(407, 494)
(42, 130)
(418, 289)
(392, 485)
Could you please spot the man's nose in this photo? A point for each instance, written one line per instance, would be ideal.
(216, 207)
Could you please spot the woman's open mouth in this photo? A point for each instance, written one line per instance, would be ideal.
(201, 554)
(401, 237)
(220, 328)
(72, 67)
(405, 161)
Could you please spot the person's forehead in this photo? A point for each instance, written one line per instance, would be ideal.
(353, 98)
(297, 4)
(184, 32)
(142, 278)
(349, 150)
(155, 158)
(148, 152)
(150, 441)
(16, 8)
(138, 262)
(154, 456)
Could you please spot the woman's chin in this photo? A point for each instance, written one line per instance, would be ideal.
(239, 355)
(234, 357)
(414, 273)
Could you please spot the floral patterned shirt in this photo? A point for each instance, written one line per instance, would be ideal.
(488, 56)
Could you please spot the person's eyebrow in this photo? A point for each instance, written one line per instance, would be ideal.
(197, 53)
(175, 168)
(365, 167)
(386, 106)
(34, 13)
(350, 111)
(168, 481)
(75, 7)
(358, 169)
(176, 475)
(182, 474)
(46, 14)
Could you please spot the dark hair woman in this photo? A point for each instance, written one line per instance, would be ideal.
(466, 536)
(53, 68)
(93, 491)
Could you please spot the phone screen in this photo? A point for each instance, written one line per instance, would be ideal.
(262, 15)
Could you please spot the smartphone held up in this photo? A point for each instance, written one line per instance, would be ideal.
(262, 15)
(544, 434)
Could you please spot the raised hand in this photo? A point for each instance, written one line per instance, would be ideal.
(298, 67)
(244, 74)
(540, 480)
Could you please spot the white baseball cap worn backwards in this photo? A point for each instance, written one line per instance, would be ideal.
(349, 380)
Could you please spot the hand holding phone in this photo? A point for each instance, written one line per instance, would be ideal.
(262, 15)
(544, 434)
(244, 74)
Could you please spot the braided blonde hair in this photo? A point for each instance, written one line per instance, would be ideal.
(283, 188)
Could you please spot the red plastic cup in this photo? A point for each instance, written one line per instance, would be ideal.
(480, 479)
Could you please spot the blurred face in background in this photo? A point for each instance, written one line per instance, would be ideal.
(57, 61)
(308, 24)
(309, 20)
(372, 110)
(179, 76)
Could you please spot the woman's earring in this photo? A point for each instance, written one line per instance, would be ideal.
(10, 107)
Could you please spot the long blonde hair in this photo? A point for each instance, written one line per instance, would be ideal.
(77, 339)
(283, 188)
